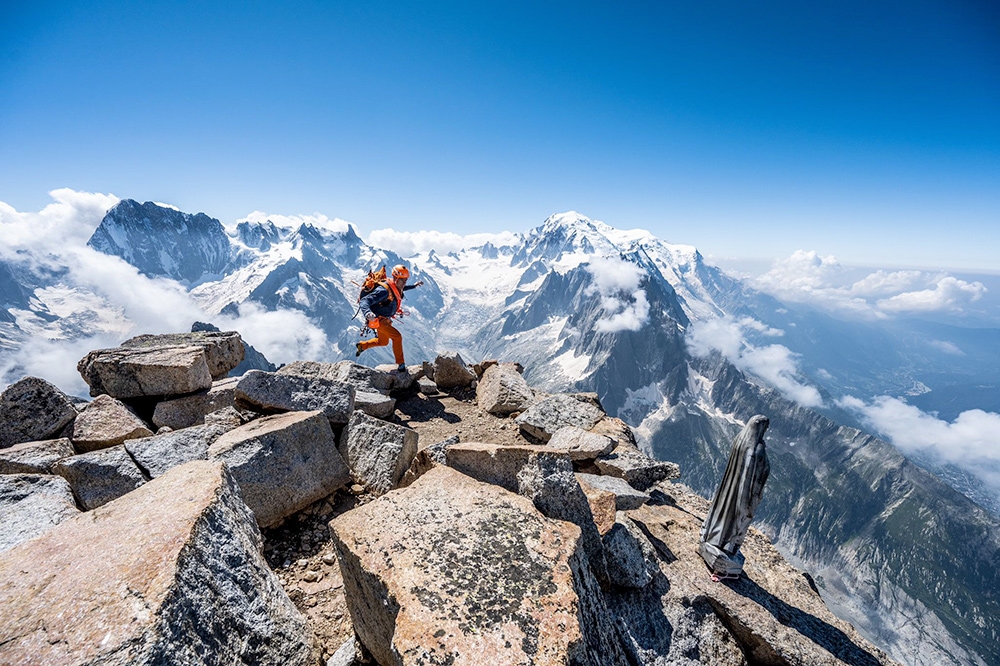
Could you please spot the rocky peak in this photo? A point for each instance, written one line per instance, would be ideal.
(162, 241)
(448, 529)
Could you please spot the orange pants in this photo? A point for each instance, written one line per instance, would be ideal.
(385, 333)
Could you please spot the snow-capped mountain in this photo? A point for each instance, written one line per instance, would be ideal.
(672, 345)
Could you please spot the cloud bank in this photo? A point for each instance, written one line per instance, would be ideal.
(806, 277)
(101, 300)
(775, 364)
(971, 441)
(410, 243)
(625, 305)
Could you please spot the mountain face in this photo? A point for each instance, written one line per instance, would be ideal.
(160, 241)
(583, 306)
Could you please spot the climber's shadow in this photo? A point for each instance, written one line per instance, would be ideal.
(827, 636)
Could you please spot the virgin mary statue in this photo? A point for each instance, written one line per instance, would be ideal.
(736, 500)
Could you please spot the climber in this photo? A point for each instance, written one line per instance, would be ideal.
(379, 307)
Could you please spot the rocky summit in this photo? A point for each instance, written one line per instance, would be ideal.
(280, 521)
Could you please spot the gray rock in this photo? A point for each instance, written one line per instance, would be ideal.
(542, 419)
(627, 498)
(32, 409)
(106, 422)
(451, 570)
(543, 476)
(30, 504)
(283, 463)
(34, 457)
(630, 557)
(378, 453)
(548, 481)
(361, 377)
(137, 372)
(100, 476)
(375, 404)
(348, 654)
(159, 453)
(426, 459)
(502, 390)
(271, 392)
(190, 410)
(224, 350)
(227, 418)
(639, 470)
(451, 371)
(427, 386)
(401, 380)
(171, 574)
(580, 444)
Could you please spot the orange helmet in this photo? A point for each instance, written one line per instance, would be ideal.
(401, 271)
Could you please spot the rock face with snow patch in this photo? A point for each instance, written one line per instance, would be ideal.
(170, 574)
(32, 409)
(161, 241)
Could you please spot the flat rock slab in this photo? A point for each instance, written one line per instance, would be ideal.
(361, 377)
(190, 410)
(454, 571)
(626, 497)
(159, 453)
(401, 380)
(636, 468)
(493, 463)
(134, 373)
(106, 422)
(272, 392)
(224, 350)
(283, 463)
(172, 574)
(378, 452)
(502, 390)
(34, 457)
(101, 476)
(32, 409)
(30, 505)
(580, 444)
(542, 419)
(451, 371)
(375, 404)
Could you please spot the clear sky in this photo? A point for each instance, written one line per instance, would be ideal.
(865, 129)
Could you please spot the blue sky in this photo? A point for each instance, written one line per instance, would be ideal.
(868, 130)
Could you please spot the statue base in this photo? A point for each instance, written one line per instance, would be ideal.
(721, 562)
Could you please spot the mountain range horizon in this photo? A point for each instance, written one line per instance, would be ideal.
(673, 345)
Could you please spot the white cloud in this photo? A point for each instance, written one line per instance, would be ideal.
(625, 306)
(971, 441)
(806, 277)
(410, 243)
(948, 295)
(69, 222)
(775, 364)
(947, 347)
(102, 300)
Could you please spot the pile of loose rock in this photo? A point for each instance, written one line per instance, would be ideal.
(130, 524)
